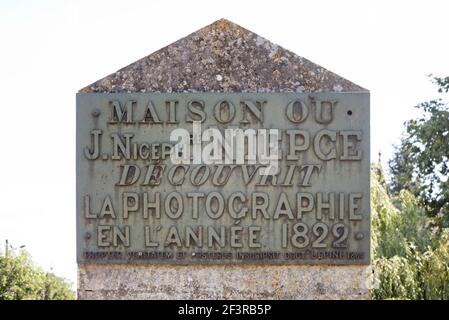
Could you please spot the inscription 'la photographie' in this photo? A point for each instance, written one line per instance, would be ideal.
(223, 178)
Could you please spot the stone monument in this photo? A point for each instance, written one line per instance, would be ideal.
(223, 166)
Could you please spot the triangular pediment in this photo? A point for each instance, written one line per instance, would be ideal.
(223, 57)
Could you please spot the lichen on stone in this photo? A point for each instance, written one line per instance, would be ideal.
(222, 57)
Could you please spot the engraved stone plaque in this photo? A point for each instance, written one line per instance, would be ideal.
(290, 184)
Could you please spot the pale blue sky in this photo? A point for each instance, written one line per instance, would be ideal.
(50, 49)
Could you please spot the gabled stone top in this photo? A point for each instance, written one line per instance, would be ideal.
(222, 57)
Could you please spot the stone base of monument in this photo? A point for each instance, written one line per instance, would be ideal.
(223, 282)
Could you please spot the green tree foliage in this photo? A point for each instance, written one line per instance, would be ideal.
(421, 161)
(21, 279)
(411, 223)
(410, 249)
(442, 83)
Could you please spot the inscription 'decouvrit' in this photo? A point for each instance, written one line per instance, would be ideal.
(141, 198)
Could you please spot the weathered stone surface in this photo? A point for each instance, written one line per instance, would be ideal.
(223, 282)
(222, 57)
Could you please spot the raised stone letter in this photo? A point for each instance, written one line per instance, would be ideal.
(293, 147)
(320, 205)
(196, 108)
(118, 114)
(308, 170)
(148, 241)
(154, 205)
(173, 172)
(127, 207)
(107, 209)
(120, 146)
(242, 211)
(195, 197)
(87, 213)
(119, 235)
(317, 145)
(304, 203)
(236, 237)
(288, 178)
(324, 111)
(353, 205)
(283, 207)
(253, 237)
(196, 237)
(219, 174)
(257, 206)
(179, 206)
(196, 178)
(171, 111)
(248, 174)
(256, 110)
(94, 152)
(153, 176)
(213, 236)
(173, 237)
(130, 174)
(224, 111)
(341, 203)
(349, 147)
(150, 115)
(102, 234)
(220, 205)
(296, 111)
